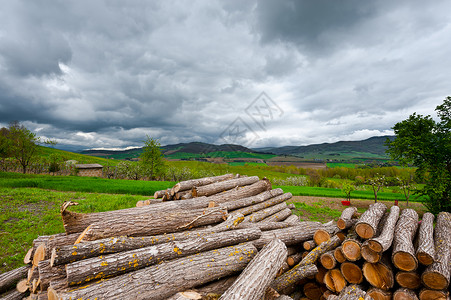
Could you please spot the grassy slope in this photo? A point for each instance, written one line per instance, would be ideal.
(81, 158)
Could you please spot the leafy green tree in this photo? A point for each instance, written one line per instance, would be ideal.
(426, 144)
(377, 182)
(55, 161)
(23, 144)
(152, 159)
(347, 190)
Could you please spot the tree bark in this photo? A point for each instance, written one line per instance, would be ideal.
(425, 252)
(70, 253)
(293, 219)
(189, 184)
(279, 216)
(157, 223)
(309, 245)
(262, 214)
(328, 260)
(294, 259)
(259, 273)
(385, 239)
(346, 219)
(351, 246)
(221, 186)
(48, 273)
(334, 280)
(83, 271)
(409, 280)
(9, 279)
(166, 279)
(159, 194)
(368, 254)
(367, 225)
(403, 254)
(319, 250)
(339, 256)
(286, 283)
(351, 272)
(260, 201)
(404, 294)
(12, 295)
(216, 288)
(290, 236)
(352, 292)
(437, 275)
(379, 275)
(266, 226)
(378, 294)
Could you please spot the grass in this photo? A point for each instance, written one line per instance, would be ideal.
(242, 163)
(30, 212)
(225, 154)
(343, 165)
(316, 212)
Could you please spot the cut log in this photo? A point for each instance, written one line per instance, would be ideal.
(328, 260)
(379, 275)
(286, 283)
(385, 239)
(186, 295)
(319, 250)
(290, 236)
(309, 245)
(229, 197)
(294, 259)
(426, 294)
(293, 219)
(425, 251)
(312, 291)
(180, 195)
(351, 246)
(83, 271)
(352, 292)
(279, 216)
(22, 286)
(323, 234)
(437, 275)
(409, 280)
(266, 226)
(378, 294)
(12, 295)
(339, 256)
(217, 287)
(319, 277)
(351, 272)
(260, 201)
(221, 186)
(71, 253)
(285, 267)
(403, 253)
(264, 213)
(48, 273)
(404, 294)
(367, 225)
(189, 184)
(164, 280)
(159, 194)
(368, 254)
(8, 280)
(346, 219)
(28, 257)
(334, 280)
(140, 225)
(256, 277)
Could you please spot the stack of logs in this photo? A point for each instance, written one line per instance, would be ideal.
(233, 237)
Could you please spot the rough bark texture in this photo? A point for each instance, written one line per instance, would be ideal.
(8, 280)
(286, 283)
(378, 294)
(266, 226)
(83, 271)
(290, 236)
(217, 287)
(221, 186)
(328, 260)
(261, 201)
(385, 239)
(352, 292)
(48, 273)
(409, 280)
(339, 256)
(166, 279)
(366, 226)
(437, 275)
(279, 216)
(379, 275)
(293, 219)
(403, 253)
(189, 184)
(12, 295)
(319, 250)
(425, 251)
(404, 294)
(352, 272)
(345, 221)
(71, 253)
(140, 225)
(264, 213)
(334, 280)
(256, 277)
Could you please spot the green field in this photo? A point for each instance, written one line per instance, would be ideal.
(224, 154)
(242, 163)
(341, 165)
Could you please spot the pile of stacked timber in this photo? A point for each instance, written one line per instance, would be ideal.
(233, 237)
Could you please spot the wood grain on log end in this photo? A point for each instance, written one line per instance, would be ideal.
(351, 250)
(425, 258)
(409, 280)
(365, 231)
(378, 294)
(426, 294)
(405, 261)
(369, 255)
(404, 294)
(434, 280)
(378, 275)
(351, 272)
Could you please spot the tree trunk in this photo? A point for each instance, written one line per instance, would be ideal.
(437, 275)
(9, 279)
(351, 272)
(379, 275)
(286, 283)
(216, 288)
(261, 201)
(367, 225)
(166, 279)
(261, 214)
(12, 295)
(339, 256)
(403, 254)
(221, 186)
(294, 259)
(409, 280)
(351, 246)
(279, 216)
(385, 239)
(229, 197)
(48, 273)
(159, 194)
(309, 245)
(378, 294)
(352, 292)
(83, 271)
(425, 252)
(324, 234)
(334, 280)
(290, 236)
(293, 219)
(259, 273)
(71, 253)
(346, 219)
(328, 260)
(189, 184)
(404, 294)
(319, 250)
(165, 222)
(266, 226)
(426, 294)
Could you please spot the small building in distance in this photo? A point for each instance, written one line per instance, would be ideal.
(91, 170)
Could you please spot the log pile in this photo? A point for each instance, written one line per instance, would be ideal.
(234, 237)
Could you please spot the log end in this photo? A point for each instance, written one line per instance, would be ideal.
(364, 230)
(432, 294)
(341, 224)
(409, 280)
(39, 254)
(405, 261)
(434, 280)
(378, 275)
(375, 246)
(22, 286)
(425, 259)
(369, 255)
(28, 259)
(351, 272)
(351, 250)
(328, 262)
(52, 294)
(321, 236)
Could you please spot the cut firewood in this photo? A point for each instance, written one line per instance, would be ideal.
(352, 292)
(221, 186)
(346, 219)
(437, 275)
(369, 254)
(217, 287)
(285, 267)
(48, 273)
(351, 272)
(159, 194)
(312, 291)
(264, 213)
(403, 253)
(83, 271)
(186, 295)
(319, 277)
(28, 257)
(367, 225)
(294, 259)
(286, 283)
(9, 279)
(404, 294)
(262, 201)
(189, 184)
(293, 219)
(290, 236)
(256, 277)
(328, 260)
(382, 242)
(22, 286)
(319, 250)
(378, 294)
(12, 295)
(309, 245)
(426, 294)
(33, 273)
(334, 280)
(279, 216)
(351, 246)
(339, 256)
(379, 275)
(409, 280)
(425, 251)
(164, 280)
(323, 234)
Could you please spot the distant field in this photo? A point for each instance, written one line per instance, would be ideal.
(224, 154)
(342, 165)
(242, 163)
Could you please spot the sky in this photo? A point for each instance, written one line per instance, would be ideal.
(106, 74)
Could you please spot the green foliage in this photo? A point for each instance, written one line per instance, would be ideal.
(426, 143)
(347, 190)
(23, 144)
(377, 182)
(152, 162)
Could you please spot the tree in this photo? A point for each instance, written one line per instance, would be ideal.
(347, 190)
(23, 144)
(152, 158)
(376, 182)
(425, 143)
